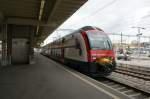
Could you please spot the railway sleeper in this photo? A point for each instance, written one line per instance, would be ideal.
(120, 88)
(116, 86)
(136, 95)
(124, 90)
(131, 92)
(110, 83)
(127, 91)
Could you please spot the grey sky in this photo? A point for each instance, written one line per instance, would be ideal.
(113, 16)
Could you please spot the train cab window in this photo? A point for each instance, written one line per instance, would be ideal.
(99, 41)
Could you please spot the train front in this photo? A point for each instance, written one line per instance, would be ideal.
(100, 54)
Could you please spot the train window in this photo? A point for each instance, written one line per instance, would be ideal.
(99, 41)
(63, 40)
(72, 36)
(78, 46)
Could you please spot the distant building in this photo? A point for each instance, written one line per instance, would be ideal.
(134, 43)
(145, 44)
(118, 46)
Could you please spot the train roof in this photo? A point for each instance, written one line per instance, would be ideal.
(86, 28)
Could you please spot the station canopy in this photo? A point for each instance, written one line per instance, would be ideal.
(43, 15)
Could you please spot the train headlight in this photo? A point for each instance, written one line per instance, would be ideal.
(94, 57)
(104, 60)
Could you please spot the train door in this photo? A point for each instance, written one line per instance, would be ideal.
(20, 51)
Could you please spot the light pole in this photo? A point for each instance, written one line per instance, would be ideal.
(138, 37)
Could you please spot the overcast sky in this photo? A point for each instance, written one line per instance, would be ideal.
(113, 16)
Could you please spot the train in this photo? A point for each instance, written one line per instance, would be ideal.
(88, 49)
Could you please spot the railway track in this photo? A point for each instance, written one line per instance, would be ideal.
(131, 92)
(131, 81)
(140, 75)
(136, 71)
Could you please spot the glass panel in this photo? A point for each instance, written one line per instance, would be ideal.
(99, 41)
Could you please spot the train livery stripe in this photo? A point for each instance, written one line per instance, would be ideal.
(87, 46)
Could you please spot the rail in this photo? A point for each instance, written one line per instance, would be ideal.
(136, 77)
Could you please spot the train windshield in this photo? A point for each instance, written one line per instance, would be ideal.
(99, 41)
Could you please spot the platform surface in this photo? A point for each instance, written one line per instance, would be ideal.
(44, 80)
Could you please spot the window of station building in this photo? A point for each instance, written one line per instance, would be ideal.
(78, 46)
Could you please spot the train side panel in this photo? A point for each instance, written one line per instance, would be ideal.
(88, 49)
(75, 48)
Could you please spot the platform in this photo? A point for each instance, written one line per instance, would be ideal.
(45, 80)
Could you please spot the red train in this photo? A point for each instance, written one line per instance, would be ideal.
(88, 49)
